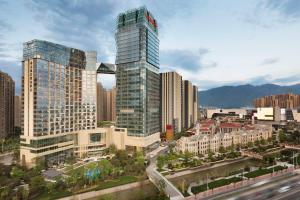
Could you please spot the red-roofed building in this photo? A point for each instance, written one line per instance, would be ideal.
(229, 127)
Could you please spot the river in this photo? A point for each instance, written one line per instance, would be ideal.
(150, 191)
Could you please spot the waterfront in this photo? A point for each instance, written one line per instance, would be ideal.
(148, 190)
(214, 172)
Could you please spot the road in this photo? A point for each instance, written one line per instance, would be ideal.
(157, 177)
(267, 189)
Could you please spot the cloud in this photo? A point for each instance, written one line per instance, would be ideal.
(185, 59)
(270, 13)
(288, 79)
(287, 8)
(88, 25)
(269, 61)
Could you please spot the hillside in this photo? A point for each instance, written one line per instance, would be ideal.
(242, 95)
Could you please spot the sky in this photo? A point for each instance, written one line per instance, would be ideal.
(209, 42)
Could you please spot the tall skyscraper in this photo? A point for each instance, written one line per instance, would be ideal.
(7, 93)
(106, 103)
(137, 75)
(18, 106)
(171, 101)
(189, 104)
(110, 105)
(58, 100)
(100, 102)
(195, 104)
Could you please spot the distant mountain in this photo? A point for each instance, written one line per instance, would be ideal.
(242, 95)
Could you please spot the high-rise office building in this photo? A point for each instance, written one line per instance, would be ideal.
(106, 103)
(100, 102)
(137, 75)
(18, 106)
(189, 104)
(195, 104)
(110, 105)
(58, 100)
(171, 101)
(7, 93)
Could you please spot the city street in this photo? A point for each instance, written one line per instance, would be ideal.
(284, 187)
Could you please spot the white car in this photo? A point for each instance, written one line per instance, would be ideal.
(284, 189)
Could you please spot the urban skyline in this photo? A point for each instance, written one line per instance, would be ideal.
(75, 133)
(267, 23)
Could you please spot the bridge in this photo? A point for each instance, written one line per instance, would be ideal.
(106, 68)
(159, 180)
(251, 154)
(291, 146)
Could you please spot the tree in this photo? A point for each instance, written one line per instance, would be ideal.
(17, 173)
(296, 134)
(257, 143)
(160, 162)
(105, 168)
(50, 187)
(171, 147)
(210, 154)
(250, 144)
(37, 184)
(24, 193)
(187, 156)
(282, 136)
(263, 141)
(4, 192)
(222, 149)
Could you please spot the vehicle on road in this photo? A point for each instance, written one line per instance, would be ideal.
(284, 189)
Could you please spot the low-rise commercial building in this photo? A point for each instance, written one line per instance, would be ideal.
(203, 143)
(234, 111)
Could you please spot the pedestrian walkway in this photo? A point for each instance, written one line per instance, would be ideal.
(159, 180)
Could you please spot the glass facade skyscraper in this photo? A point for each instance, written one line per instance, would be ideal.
(137, 74)
(58, 99)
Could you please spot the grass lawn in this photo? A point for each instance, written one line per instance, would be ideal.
(110, 183)
(103, 185)
(215, 184)
(261, 172)
(70, 170)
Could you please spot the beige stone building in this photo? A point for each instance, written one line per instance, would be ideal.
(202, 143)
(171, 104)
(7, 93)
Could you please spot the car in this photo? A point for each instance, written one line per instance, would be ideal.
(284, 189)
